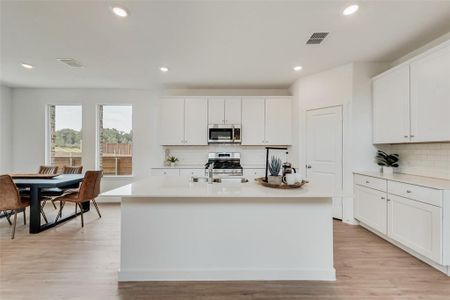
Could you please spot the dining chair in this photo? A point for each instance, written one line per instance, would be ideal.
(11, 200)
(48, 170)
(72, 169)
(88, 191)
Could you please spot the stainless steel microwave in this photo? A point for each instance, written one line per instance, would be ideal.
(224, 134)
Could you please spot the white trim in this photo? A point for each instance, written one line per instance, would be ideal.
(227, 274)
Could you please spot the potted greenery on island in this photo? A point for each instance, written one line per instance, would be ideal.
(274, 169)
(387, 161)
(172, 160)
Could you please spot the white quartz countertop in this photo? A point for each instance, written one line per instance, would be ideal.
(437, 183)
(203, 166)
(182, 187)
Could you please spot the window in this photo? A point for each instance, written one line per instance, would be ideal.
(115, 139)
(64, 135)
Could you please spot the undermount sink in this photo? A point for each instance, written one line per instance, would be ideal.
(221, 179)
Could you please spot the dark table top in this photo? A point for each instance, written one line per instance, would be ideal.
(58, 181)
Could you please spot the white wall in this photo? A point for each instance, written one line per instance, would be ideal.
(5, 129)
(350, 87)
(29, 124)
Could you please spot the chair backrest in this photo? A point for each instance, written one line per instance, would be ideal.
(48, 170)
(90, 187)
(72, 170)
(9, 194)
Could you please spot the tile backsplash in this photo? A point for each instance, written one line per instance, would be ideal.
(431, 159)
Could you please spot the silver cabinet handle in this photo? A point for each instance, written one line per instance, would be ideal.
(308, 166)
(412, 135)
(408, 191)
(382, 198)
(367, 181)
(406, 136)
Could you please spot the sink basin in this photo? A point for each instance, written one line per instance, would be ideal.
(220, 179)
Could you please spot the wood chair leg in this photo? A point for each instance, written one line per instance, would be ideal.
(25, 216)
(14, 225)
(96, 207)
(81, 211)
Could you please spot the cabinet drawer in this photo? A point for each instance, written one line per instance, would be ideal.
(371, 182)
(192, 172)
(254, 172)
(415, 192)
(165, 172)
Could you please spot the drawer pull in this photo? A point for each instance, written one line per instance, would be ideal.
(382, 198)
(367, 181)
(408, 191)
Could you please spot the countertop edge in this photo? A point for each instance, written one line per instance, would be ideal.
(430, 182)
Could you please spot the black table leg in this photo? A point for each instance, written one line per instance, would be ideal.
(35, 210)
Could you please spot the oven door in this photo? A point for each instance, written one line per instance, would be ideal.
(220, 134)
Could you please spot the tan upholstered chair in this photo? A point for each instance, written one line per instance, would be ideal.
(88, 191)
(72, 170)
(10, 200)
(48, 170)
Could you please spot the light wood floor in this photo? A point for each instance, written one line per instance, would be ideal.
(68, 262)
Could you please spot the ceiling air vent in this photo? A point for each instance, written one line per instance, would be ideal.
(317, 37)
(70, 62)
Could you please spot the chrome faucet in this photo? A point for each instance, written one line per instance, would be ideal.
(210, 172)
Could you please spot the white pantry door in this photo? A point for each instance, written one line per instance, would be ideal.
(324, 151)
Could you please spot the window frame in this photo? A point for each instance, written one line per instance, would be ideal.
(98, 140)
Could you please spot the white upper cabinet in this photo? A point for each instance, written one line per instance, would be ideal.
(183, 121)
(224, 110)
(172, 121)
(411, 103)
(267, 121)
(391, 107)
(430, 97)
(196, 121)
(233, 110)
(216, 111)
(278, 125)
(253, 121)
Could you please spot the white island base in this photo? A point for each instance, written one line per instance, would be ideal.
(223, 232)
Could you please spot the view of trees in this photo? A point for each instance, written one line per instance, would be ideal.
(70, 138)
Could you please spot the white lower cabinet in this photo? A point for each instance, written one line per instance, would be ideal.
(192, 172)
(410, 215)
(254, 172)
(371, 207)
(416, 225)
(165, 172)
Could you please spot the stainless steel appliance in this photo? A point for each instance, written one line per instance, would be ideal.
(225, 134)
(224, 163)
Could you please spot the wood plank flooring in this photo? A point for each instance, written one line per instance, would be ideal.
(70, 262)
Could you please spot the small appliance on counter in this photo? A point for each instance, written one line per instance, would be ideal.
(224, 134)
(225, 163)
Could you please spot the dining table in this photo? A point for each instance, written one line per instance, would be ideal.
(37, 186)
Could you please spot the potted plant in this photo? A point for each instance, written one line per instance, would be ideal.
(172, 160)
(387, 161)
(274, 169)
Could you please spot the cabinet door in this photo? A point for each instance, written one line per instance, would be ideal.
(391, 121)
(371, 208)
(278, 127)
(196, 121)
(192, 172)
(254, 172)
(172, 121)
(165, 172)
(216, 113)
(416, 225)
(253, 115)
(233, 111)
(430, 97)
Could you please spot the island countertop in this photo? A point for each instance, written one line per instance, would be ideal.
(182, 187)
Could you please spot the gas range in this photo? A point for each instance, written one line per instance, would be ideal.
(225, 163)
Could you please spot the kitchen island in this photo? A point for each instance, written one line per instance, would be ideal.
(175, 229)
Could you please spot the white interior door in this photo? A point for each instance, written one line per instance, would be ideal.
(324, 151)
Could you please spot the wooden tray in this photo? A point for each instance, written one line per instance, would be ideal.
(34, 176)
(261, 180)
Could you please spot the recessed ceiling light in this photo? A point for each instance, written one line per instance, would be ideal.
(298, 68)
(164, 69)
(350, 10)
(27, 66)
(120, 11)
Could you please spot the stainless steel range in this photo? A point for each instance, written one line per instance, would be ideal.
(225, 163)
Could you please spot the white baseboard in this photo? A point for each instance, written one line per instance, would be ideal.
(227, 275)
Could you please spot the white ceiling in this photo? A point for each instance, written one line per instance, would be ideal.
(206, 44)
